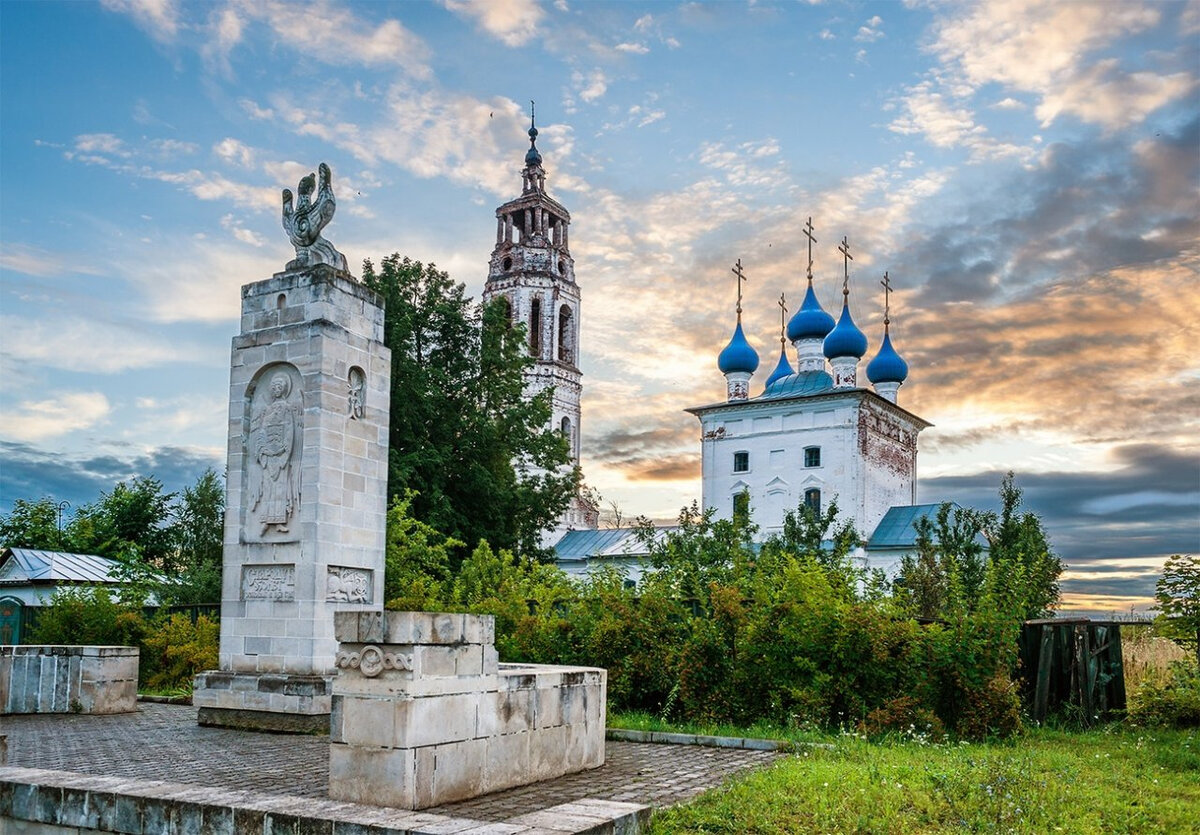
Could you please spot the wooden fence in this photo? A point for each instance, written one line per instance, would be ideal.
(1074, 666)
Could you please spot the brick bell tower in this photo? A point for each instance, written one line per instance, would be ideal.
(531, 269)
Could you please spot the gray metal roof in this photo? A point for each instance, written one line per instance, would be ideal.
(32, 566)
(896, 528)
(609, 542)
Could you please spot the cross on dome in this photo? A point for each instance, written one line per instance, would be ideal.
(808, 233)
(737, 270)
(844, 248)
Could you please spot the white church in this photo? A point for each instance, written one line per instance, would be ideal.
(812, 434)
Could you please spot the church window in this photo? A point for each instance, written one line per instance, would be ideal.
(812, 500)
(812, 456)
(741, 462)
(565, 429)
(507, 264)
(508, 313)
(535, 328)
(741, 507)
(562, 267)
(566, 335)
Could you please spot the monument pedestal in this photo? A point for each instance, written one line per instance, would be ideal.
(307, 483)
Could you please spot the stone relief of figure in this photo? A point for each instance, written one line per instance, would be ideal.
(305, 222)
(357, 384)
(348, 585)
(275, 438)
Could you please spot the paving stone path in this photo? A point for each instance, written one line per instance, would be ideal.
(163, 742)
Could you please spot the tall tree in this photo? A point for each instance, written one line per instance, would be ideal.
(1178, 596)
(134, 518)
(479, 455)
(33, 524)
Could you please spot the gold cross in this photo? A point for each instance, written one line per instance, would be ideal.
(808, 233)
(844, 248)
(737, 270)
(887, 289)
(782, 319)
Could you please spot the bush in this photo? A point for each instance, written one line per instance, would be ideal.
(1174, 703)
(90, 617)
(904, 716)
(176, 650)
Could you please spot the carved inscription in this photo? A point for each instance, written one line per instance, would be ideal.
(371, 660)
(268, 582)
(348, 585)
(273, 447)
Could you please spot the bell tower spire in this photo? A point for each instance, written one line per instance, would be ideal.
(531, 270)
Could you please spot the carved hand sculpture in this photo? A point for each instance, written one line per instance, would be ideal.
(305, 222)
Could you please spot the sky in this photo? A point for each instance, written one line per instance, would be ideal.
(1026, 172)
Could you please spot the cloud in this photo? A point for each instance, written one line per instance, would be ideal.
(1044, 48)
(65, 412)
(947, 123)
(158, 18)
(333, 34)
(88, 344)
(29, 260)
(632, 48)
(31, 473)
(241, 233)
(512, 22)
(870, 32)
(234, 152)
(590, 86)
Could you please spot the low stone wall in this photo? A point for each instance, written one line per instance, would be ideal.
(278, 702)
(68, 679)
(424, 713)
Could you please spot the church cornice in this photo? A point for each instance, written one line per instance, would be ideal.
(744, 406)
(532, 199)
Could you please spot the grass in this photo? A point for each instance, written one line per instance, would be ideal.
(1147, 657)
(762, 729)
(1111, 780)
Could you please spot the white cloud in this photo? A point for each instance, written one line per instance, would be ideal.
(826, 35)
(633, 48)
(947, 123)
(37, 420)
(644, 22)
(1008, 103)
(159, 18)
(225, 30)
(254, 111)
(1103, 95)
(340, 36)
(89, 344)
(513, 22)
(870, 32)
(241, 233)
(591, 86)
(235, 152)
(29, 260)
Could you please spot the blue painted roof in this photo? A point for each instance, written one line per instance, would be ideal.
(846, 340)
(782, 369)
(888, 366)
(810, 321)
(896, 528)
(802, 382)
(29, 565)
(609, 542)
(738, 355)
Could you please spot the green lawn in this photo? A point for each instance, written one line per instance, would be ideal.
(1113, 780)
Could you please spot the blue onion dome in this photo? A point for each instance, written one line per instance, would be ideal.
(887, 367)
(846, 340)
(782, 369)
(810, 321)
(738, 355)
(532, 156)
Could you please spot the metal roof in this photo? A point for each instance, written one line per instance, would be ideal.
(897, 527)
(32, 566)
(611, 542)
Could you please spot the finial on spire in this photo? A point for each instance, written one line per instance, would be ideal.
(808, 233)
(532, 126)
(887, 290)
(844, 248)
(737, 270)
(782, 320)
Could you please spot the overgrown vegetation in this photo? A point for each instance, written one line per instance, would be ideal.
(791, 632)
(1104, 781)
(172, 648)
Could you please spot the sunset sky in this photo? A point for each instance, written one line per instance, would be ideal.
(1027, 172)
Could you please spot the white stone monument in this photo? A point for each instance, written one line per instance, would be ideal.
(307, 481)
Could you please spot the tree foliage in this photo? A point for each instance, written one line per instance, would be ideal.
(480, 458)
(1178, 595)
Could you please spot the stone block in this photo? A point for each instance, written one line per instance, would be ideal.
(379, 776)
(449, 772)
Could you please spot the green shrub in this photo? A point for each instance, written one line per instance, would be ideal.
(1174, 703)
(904, 716)
(176, 649)
(90, 617)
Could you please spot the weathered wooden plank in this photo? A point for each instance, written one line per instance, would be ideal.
(1045, 668)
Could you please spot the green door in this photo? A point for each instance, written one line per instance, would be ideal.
(10, 620)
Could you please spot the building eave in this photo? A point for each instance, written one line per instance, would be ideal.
(759, 404)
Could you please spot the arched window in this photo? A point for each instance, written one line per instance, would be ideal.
(741, 507)
(812, 500)
(566, 335)
(508, 313)
(535, 328)
(565, 428)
